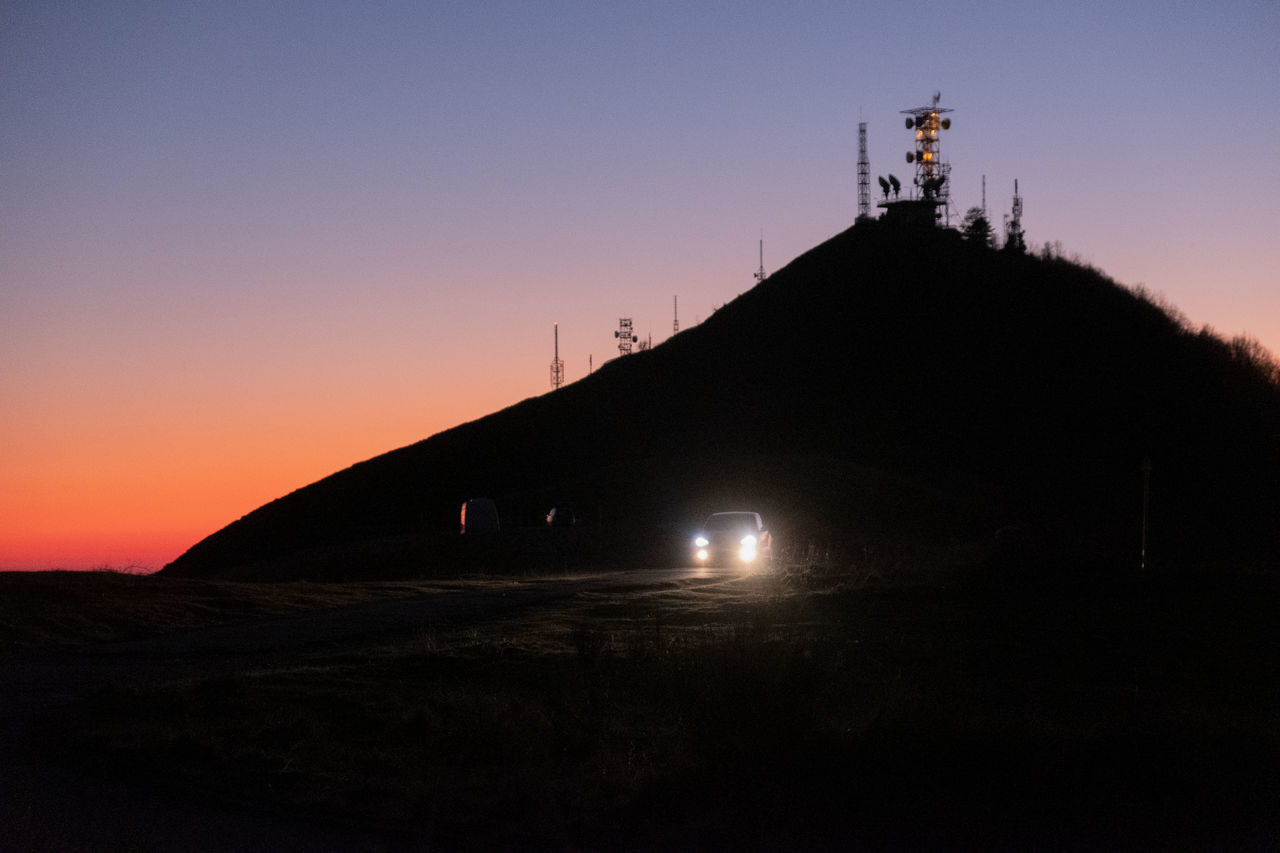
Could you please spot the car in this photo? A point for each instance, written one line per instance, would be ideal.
(733, 539)
(561, 515)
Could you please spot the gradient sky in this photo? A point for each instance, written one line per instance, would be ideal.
(246, 244)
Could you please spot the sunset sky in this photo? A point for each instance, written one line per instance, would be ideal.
(246, 244)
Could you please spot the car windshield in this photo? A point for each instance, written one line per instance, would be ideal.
(731, 521)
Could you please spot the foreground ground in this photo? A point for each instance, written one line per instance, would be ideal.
(642, 710)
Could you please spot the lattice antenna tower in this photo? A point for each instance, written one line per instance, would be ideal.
(931, 182)
(759, 276)
(557, 366)
(1014, 238)
(864, 174)
(625, 336)
(675, 314)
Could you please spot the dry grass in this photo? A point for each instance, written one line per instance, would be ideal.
(46, 609)
(720, 713)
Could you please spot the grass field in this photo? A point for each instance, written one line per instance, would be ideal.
(775, 712)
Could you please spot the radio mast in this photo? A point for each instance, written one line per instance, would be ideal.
(557, 366)
(864, 174)
(1014, 238)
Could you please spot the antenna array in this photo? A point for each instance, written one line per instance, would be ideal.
(931, 172)
(625, 336)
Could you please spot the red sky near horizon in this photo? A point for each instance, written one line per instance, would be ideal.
(243, 248)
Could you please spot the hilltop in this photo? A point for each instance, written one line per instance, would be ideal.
(890, 388)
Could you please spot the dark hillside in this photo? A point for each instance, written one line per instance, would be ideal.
(887, 387)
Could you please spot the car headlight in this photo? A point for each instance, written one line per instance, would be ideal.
(747, 553)
(701, 541)
(701, 554)
(749, 541)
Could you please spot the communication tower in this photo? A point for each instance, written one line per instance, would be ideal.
(931, 193)
(557, 366)
(1014, 238)
(675, 314)
(625, 336)
(864, 174)
(759, 276)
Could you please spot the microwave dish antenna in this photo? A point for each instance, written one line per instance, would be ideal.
(930, 196)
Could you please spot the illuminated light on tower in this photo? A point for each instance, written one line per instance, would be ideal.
(864, 174)
(557, 366)
(625, 336)
(931, 193)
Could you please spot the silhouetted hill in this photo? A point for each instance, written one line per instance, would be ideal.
(886, 387)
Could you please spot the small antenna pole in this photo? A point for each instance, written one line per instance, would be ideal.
(760, 272)
(675, 314)
(1146, 507)
(984, 195)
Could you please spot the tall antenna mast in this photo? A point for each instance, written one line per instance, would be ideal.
(864, 174)
(984, 195)
(675, 314)
(557, 366)
(760, 272)
(1014, 239)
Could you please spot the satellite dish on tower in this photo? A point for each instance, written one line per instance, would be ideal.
(911, 157)
(946, 124)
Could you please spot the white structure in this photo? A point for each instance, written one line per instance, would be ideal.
(625, 336)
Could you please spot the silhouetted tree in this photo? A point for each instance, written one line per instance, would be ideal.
(976, 227)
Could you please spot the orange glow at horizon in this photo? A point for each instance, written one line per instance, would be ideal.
(140, 493)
